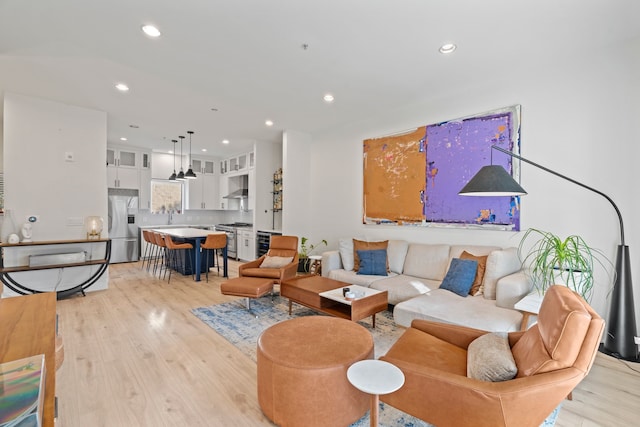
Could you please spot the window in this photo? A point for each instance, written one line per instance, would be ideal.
(166, 196)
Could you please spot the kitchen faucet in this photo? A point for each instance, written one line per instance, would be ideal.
(170, 217)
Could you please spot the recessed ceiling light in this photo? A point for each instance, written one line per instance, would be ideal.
(204, 149)
(123, 139)
(268, 122)
(151, 31)
(225, 141)
(447, 48)
(122, 87)
(170, 151)
(328, 98)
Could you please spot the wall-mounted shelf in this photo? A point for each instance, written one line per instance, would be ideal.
(277, 194)
(13, 284)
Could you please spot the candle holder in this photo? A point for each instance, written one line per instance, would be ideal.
(94, 226)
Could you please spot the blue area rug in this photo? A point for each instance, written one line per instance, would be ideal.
(242, 328)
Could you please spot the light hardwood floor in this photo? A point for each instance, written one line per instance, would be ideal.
(136, 356)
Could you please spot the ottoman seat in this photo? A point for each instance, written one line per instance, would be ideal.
(302, 371)
(248, 287)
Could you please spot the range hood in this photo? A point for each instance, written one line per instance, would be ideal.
(239, 186)
(238, 194)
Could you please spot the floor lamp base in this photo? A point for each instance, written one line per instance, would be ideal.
(603, 350)
(619, 338)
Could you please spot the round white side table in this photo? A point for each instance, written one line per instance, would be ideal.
(375, 377)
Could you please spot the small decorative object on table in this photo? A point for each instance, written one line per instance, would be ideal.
(94, 226)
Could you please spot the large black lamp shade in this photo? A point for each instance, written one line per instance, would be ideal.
(619, 339)
(492, 180)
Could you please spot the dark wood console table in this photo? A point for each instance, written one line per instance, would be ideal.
(23, 289)
(28, 329)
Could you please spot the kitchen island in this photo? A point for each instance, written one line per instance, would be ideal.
(195, 236)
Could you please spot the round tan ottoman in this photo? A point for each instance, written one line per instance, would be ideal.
(302, 371)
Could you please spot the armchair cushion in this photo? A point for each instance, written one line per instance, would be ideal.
(489, 358)
(550, 344)
(275, 261)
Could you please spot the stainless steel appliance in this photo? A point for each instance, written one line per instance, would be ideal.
(123, 232)
(263, 240)
(232, 236)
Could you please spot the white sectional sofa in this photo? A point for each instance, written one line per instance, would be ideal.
(416, 272)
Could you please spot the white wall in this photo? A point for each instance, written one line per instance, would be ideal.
(268, 160)
(296, 183)
(579, 117)
(39, 181)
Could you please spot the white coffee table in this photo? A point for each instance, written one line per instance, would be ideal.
(375, 377)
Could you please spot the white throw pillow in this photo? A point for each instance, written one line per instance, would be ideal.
(345, 247)
(500, 263)
(396, 254)
(489, 358)
(276, 261)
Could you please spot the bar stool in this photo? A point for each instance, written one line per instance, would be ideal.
(214, 242)
(160, 254)
(148, 249)
(173, 249)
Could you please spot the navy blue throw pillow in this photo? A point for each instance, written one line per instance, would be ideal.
(460, 276)
(373, 262)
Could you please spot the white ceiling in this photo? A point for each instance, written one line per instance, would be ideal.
(245, 58)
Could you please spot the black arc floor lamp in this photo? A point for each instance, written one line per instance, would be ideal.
(619, 340)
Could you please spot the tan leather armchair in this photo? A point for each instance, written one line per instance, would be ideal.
(552, 357)
(280, 246)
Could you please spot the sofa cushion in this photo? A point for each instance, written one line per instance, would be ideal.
(353, 278)
(359, 245)
(476, 287)
(345, 247)
(426, 261)
(500, 263)
(373, 262)
(401, 288)
(443, 306)
(396, 254)
(460, 276)
(489, 358)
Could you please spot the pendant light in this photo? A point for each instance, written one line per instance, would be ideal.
(190, 174)
(180, 176)
(173, 175)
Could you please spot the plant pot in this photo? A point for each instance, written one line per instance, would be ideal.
(303, 265)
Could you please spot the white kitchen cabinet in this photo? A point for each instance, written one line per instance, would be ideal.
(223, 190)
(251, 202)
(246, 245)
(203, 192)
(145, 189)
(224, 166)
(240, 163)
(120, 157)
(123, 166)
(121, 177)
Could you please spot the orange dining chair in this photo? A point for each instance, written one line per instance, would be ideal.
(214, 242)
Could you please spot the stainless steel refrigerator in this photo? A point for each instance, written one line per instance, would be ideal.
(123, 231)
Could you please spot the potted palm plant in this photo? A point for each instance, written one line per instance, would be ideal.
(553, 260)
(305, 251)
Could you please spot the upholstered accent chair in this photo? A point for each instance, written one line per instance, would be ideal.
(552, 357)
(279, 263)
